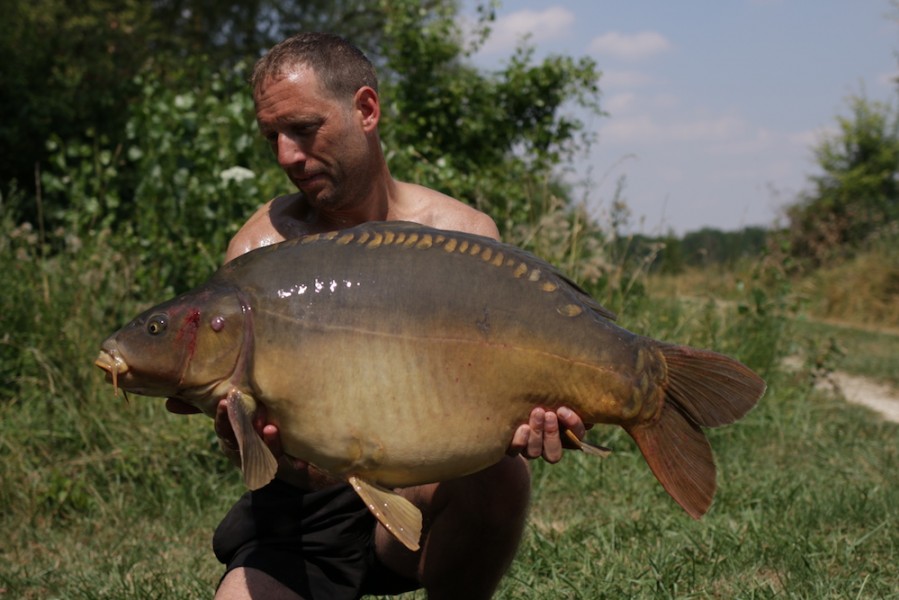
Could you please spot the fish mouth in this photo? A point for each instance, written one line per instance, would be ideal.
(114, 365)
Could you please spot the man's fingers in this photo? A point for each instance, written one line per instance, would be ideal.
(552, 443)
(519, 440)
(272, 439)
(535, 439)
(568, 419)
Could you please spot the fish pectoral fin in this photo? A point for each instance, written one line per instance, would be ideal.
(257, 462)
(399, 516)
(587, 448)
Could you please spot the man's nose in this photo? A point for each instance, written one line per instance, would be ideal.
(290, 152)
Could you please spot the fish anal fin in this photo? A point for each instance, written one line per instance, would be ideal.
(680, 457)
(397, 514)
(257, 462)
(585, 447)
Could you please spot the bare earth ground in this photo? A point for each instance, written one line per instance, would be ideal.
(861, 390)
(877, 396)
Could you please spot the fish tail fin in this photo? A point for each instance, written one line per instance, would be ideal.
(710, 388)
(703, 389)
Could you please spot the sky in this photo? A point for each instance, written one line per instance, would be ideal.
(713, 107)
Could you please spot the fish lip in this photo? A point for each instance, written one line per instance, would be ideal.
(111, 362)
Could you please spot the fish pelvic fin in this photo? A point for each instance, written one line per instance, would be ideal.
(703, 388)
(397, 514)
(257, 462)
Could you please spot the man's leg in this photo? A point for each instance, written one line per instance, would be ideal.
(245, 584)
(473, 526)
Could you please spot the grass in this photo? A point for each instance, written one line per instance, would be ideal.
(868, 351)
(807, 508)
(103, 498)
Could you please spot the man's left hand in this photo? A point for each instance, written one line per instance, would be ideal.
(542, 435)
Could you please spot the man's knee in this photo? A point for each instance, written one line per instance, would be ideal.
(243, 583)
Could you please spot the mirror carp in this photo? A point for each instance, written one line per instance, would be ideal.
(392, 354)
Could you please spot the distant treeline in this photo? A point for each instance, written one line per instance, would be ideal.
(702, 248)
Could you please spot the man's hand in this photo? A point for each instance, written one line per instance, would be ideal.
(541, 435)
(290, 470)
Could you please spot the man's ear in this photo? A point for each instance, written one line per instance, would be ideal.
(368, 107)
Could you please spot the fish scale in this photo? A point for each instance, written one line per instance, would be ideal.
(393, 354)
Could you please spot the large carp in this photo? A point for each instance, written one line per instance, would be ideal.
(392, 354)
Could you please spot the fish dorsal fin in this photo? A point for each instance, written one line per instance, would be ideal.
(585, 447)
(399, 516)
(257, 462)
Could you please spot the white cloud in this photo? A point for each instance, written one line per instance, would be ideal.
(888, 80)
(543, 25)
(811, 137)
(624, 79)
(643, 128)
(619, 103)
(634, 46)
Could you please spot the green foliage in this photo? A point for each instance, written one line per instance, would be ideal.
(70, 71)
(707, 247)
(857, 193)
(804, 509)
(129, 214)
(862, 289)
(103, 498)
(491, 140)
(186, 167)
(190, 169)
(71, 66)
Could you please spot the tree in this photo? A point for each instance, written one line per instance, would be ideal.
(857, 192)
(163, 183)
(490, 139)
(74, 61)
(70, 72)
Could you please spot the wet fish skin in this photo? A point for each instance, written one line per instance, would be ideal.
(393, 354)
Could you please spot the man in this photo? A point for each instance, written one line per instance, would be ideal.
(306, 535)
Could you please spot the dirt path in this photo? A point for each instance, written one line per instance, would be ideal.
(860, 390)
(877, 396)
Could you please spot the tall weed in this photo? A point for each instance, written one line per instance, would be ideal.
(861, 289)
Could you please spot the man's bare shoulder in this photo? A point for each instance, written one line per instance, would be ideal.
(275, 221)
(435, 209)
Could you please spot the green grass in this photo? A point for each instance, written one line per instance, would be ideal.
(807, 507)
(103, 498)
(867, 351)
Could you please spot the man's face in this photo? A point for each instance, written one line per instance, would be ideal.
(316, 138)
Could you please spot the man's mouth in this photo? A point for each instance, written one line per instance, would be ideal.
(307, 181)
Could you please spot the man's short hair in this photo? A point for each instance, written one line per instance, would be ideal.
(339, 65)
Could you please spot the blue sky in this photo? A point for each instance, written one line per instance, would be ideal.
(713, 106)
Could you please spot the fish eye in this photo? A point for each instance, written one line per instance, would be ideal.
(157, 325)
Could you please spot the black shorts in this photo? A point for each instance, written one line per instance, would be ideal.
(319, 544)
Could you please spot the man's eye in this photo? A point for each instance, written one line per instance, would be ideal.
(301, 130)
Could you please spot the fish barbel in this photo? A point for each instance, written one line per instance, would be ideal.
(367, 345)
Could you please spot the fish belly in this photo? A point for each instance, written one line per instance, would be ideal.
(403, 410)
